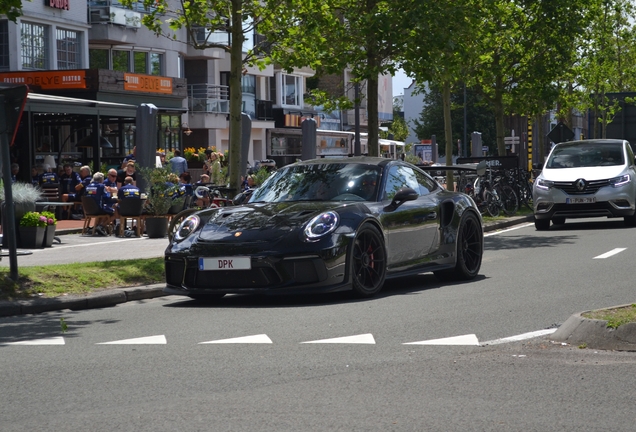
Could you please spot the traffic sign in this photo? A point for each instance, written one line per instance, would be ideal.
(561, 133)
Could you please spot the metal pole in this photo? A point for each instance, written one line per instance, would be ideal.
(465, 144)
(357, 151)
(8, 228)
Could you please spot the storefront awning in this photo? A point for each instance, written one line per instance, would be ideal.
(37, 102)
(390, 142)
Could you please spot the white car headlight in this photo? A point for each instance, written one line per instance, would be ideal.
(187, 227)
(321, 225)
(620, 181)
(544, 184)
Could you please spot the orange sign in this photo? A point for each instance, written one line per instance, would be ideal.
(49, 80)
(147, 83)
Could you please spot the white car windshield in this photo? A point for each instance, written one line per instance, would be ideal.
(589, 154)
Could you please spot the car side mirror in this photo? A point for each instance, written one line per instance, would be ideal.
(401, 196)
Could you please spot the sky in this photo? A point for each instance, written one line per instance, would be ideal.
(400, 82)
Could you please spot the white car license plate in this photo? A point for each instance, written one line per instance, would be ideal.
(225, 263)
(580, 200)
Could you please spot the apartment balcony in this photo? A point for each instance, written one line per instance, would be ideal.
(209, 98)
(111, 23)
(204, 36)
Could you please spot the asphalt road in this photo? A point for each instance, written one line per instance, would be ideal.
(176, 374)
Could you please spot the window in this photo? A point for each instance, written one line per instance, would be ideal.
(121, 61)
(4, 45)
(68, 49)
(34, 45)
(98, 58)
(291, 90)
(399, 177)
(426, 184)
(140, 62)
(248, 84)
(156, 61)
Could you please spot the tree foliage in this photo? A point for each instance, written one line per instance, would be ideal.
(11, 8)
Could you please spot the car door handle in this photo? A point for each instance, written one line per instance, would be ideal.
(431, 216)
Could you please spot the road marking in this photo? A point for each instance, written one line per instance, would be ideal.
(89, 244)
(469, 339)
(520, 337)
(509, 229)
(610, 253)
(57, 340)
(148, 340)
(357, 339)
(262, 338)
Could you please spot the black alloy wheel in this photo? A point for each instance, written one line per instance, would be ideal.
(542, 224)
(368, 261)
(470, 249)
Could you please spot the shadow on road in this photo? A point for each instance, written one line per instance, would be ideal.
(408, 285)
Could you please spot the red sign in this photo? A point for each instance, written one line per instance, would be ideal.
(57, 4)
(47, 80)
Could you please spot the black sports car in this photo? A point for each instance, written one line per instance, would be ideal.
(328, 225)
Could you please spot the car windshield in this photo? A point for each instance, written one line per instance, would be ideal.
(590, 154)
(320, 182)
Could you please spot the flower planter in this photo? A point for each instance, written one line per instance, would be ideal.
(31, 237)
(49, 236)
(156, 227)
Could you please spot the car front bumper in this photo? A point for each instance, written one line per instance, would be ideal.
(607, 202)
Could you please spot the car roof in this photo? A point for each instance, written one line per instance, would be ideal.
(367, 160)
(591, 141)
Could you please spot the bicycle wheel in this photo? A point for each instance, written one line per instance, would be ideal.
(509, 201)
(492, 203)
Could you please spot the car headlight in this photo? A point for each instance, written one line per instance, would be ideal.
(620, 181)
(321, 225)
(544, 184)
(187, 227)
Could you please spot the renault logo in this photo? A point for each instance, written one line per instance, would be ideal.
(580, 185)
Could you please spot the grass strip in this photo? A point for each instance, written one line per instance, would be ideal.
(615, 317)
(80, 278)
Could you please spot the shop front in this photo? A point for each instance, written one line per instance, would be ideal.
(87, 117)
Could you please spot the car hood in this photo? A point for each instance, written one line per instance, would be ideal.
(262, 222)
(587, 173)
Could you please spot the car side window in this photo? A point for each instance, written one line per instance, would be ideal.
(398, 177)
(426, 184)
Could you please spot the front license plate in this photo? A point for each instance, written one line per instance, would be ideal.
(225, 263)
(580, 200)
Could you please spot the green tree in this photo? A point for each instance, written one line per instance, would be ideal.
(479, 117)
(523, 49)
(11, 8)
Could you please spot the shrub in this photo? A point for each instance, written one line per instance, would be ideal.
(33, 219)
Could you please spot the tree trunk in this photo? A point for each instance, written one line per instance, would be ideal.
(499, 123)
(236, 94)
(448, 133)
(373, 126)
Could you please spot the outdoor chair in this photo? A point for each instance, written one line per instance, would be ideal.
(93, 213)
(131, 209)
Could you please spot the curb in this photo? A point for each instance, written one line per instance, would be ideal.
(512, 221)
(595, 334)
(99, 299)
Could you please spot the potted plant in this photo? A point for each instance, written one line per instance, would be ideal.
(32, 228)
(159, 199)
(51, 223)
(24, 197)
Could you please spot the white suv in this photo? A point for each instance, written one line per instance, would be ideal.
(588, 178)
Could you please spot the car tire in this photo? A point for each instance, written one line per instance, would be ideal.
(558, 221)
(542, 224)
(470, 249)
(368, 261)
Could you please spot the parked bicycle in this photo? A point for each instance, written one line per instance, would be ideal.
(491, 196)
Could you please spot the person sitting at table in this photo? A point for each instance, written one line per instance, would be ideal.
(35, 176)
(110, 182)
(79, 188)
(48, 177)
(132, 157)
(69, 179)
(97, 192)
(128, 171)
(128, 190)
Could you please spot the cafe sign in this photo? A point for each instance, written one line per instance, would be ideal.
(147, 83)
(57, 4)
(50, 80)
